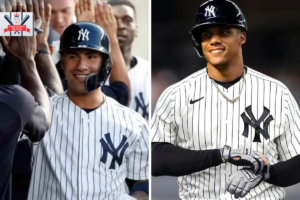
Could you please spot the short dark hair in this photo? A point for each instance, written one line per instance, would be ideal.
(122, 2)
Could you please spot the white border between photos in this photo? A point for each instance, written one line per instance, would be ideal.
(150, 100)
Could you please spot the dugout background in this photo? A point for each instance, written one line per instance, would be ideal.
(273, 48)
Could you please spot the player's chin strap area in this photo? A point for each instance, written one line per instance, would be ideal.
(93, 81)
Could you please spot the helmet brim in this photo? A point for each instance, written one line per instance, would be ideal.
(217, 21)
(84, 47)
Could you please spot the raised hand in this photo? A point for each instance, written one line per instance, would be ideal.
(43, 13)
(84, 11)
(105, 18)
(9, 4)
(21, 48)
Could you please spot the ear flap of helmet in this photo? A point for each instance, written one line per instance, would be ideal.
(93, 81)
(104, 72)
(197, 47)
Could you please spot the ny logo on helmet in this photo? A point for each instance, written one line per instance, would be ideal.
(210, 11)
(84, 35)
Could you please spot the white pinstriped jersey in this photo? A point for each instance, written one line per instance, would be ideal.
(89, 155)
(265, 106)
(139, 77)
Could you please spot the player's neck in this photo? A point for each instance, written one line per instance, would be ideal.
(89, 100)
(225, 73)
(126, 51)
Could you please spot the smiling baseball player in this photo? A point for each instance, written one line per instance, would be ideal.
(93, 143)
(225, 116)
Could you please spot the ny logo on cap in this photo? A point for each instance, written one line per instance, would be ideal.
(84, 35)
(210, 11)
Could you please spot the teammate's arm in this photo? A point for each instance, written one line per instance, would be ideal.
(118, 91)
(104, 17)
(23, 49)
(44, 63)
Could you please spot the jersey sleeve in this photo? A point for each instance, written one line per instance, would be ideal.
(118, 91)
(163, 128)
(138, 166)
(288, 142)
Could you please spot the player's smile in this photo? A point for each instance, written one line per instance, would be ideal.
(217, 50)
(80, 77)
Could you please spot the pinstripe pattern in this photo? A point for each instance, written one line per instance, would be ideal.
(67, 163)
(139, 77)
(213, 122)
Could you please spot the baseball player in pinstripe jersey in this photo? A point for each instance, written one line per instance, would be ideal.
(138, 68)
(93, 143)
(227, 131)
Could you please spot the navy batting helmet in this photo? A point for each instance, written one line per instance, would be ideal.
(87, 35)
(216, 12)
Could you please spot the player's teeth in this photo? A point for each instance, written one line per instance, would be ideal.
(217, 50)
(81, 76)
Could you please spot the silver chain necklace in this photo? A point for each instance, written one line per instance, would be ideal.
(233, 100)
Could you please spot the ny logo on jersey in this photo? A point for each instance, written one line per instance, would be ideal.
(210, 11)
(256, 124)
(84, 35)
(140, 103)
(108, 147)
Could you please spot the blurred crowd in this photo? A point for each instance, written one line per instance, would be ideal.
(31, 73)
